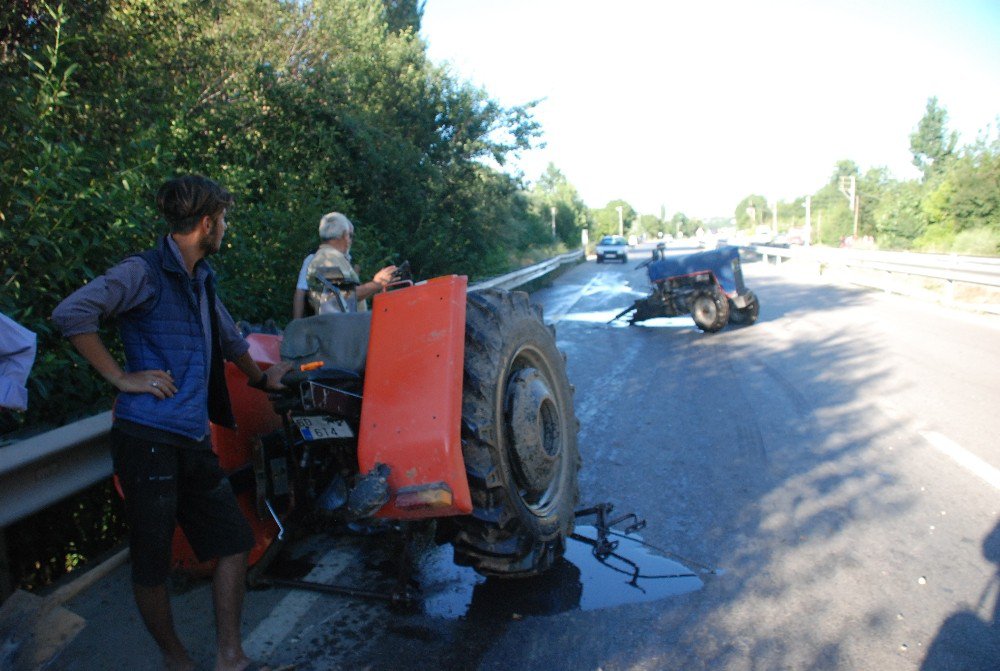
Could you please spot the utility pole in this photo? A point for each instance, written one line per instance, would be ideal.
(774, 219)
(857, 212)
(553, 211)
(808, 220)
(851, 193)
(621, 222)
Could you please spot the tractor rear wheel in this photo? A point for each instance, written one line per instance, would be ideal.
(710, 309)
(518, 439)
(747, 315)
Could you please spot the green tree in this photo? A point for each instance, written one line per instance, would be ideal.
(961, 204)
(649, 225)
(605, 221)
(299, 108)
(897, 218)
(844, 168)
(931, 143)
(571, 217)
(791, 214)
(955, 207)
(974, 176)
(751, 212)
(681, 224)
(403, 14)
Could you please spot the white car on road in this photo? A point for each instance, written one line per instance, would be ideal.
(612, 247)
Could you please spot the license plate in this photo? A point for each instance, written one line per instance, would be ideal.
(322, 428)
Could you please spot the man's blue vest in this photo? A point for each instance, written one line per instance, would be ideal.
(167, 335)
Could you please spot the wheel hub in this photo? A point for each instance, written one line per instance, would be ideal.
(534, 431)
(704, 309)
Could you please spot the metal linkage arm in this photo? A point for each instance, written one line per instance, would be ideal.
(602, 546)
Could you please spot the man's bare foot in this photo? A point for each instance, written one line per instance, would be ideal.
(241, 664)
(175, 663)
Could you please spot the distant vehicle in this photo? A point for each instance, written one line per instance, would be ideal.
(633, 240)
(612, 247)
(797, 236)
(761, 235)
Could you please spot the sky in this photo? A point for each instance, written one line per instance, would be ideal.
(692, 106)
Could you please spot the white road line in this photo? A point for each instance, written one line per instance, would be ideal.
(963, 457)
(283, 619)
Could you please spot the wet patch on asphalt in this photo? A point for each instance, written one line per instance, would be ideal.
(635, 573)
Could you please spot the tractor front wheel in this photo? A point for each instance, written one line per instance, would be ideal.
(710, 309)
(518, 439)
(747, 315)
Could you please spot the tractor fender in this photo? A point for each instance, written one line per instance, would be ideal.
(411, 416)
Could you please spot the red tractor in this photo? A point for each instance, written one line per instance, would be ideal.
(437, 404)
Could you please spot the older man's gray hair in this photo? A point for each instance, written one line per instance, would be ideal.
(334, 226)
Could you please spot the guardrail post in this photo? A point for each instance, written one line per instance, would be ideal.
(949, 291)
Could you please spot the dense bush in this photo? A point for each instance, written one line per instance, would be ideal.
(298, 108)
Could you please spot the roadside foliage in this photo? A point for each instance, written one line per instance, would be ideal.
(298, 108)
(954, 207)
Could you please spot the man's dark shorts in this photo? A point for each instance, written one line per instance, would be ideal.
(165, 485)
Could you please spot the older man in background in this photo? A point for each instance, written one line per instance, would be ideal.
(336, 233)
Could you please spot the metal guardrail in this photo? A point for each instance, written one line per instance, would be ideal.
(524, 275)
(983, 271)
(39, 471)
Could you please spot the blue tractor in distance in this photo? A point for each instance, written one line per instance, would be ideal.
(708, 285)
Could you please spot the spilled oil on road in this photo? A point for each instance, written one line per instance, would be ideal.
(634, 573)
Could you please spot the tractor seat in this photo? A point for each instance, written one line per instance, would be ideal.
(338, 340)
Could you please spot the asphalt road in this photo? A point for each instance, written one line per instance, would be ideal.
(836, 464)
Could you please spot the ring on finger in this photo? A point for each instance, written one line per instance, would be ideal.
(154, 383)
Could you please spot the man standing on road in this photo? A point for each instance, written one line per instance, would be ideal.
(175, 333)
(336, 233)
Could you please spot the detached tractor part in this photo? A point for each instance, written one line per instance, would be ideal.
(707, 285)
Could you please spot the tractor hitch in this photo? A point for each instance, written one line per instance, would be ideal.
(603, 547)
(624, 312)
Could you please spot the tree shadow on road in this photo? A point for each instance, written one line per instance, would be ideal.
(762, 450)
